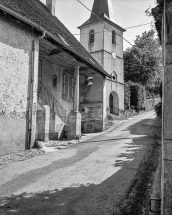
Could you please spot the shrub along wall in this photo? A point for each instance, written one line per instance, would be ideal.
(134, 96)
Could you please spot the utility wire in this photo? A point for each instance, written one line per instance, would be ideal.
(124, 28)
(137, 28)
(140, 25)
(104, 22)
(134, 2)
(110, 26)
(128, 8)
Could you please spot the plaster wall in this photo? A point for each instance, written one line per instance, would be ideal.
(99, 38)
(48, 70)
(108, 46)
(15, 68)
(92, 93)
(119, 89)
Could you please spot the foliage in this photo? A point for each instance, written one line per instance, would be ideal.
(157, 14)
(158, 109)
(143, 62)
(134, 96)
(127, 96)
(137, 100)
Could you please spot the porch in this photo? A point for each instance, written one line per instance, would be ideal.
(65, 86)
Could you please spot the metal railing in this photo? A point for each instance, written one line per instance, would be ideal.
(46, 98)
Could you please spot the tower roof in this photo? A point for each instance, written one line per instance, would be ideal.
(104, 10)
(101, 7)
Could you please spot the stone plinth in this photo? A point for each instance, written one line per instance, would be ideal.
(74, 125)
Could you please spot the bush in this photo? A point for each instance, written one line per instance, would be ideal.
(158, 109)
(127, 96)
(137, 98)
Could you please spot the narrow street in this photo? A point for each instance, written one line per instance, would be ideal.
(89, 178)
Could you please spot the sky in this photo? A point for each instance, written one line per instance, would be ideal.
(128, 13)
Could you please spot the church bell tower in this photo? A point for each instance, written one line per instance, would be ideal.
(103, 38)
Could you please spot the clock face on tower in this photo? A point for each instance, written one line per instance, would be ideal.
(113, 55)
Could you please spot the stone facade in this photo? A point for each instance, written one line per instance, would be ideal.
(106, 46)
(15, 71)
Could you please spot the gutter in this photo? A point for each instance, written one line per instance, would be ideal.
(39, 28)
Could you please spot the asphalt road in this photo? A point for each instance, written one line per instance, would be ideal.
(89, 178)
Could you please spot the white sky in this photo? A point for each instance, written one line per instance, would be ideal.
(127, 13)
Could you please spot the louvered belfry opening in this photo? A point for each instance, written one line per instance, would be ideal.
(92, 36)
(113, 37)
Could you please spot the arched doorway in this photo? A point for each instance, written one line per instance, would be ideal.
(114, 103)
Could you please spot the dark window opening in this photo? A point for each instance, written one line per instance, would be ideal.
(114, 76)
(91, 39)
(54, 80)
(113, 37)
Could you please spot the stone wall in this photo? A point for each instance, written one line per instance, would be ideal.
(91, 108)
(15, 68)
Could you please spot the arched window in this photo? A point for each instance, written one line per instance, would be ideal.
(113, 37)
(54, 80)
(92, 37)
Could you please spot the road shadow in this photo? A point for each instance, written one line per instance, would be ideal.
(144, 132)
(92, 199)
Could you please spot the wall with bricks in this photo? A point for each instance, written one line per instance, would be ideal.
(15, 68)
(91, 107)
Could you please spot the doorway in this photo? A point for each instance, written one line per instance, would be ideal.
(114, 103)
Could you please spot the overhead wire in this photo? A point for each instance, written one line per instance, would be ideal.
(124, 28)
(143, 29)
(128, 8)
(134, 2)
(137, 28)
(105, 23)
(111, 27)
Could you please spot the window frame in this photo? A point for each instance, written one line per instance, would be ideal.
(114, 37)
(91, 37)
(68, 86)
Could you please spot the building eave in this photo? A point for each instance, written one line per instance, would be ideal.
(41, 29)
(87, 23)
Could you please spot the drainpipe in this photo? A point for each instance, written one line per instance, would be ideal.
(33, 91)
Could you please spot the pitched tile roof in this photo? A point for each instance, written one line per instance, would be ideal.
(36, 14)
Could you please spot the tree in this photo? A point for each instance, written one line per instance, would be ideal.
(143, 62)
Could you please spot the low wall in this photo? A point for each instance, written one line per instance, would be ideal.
(92, 120)
(12, 138)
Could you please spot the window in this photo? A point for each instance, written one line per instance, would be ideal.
(54, 80)
(113, 37)
(68, 86)
(91, 39)
(114, 76)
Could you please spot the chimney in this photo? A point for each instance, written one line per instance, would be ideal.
(51, 5)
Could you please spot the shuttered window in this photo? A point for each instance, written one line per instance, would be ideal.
(91, 39)
(68, 85)
(113, 37)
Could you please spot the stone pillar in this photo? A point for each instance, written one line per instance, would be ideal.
(34, 87)
(47, 122)
(74, 116)
(104, 103)
(76, 89)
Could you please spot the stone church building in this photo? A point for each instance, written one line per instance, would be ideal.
(103, 39)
